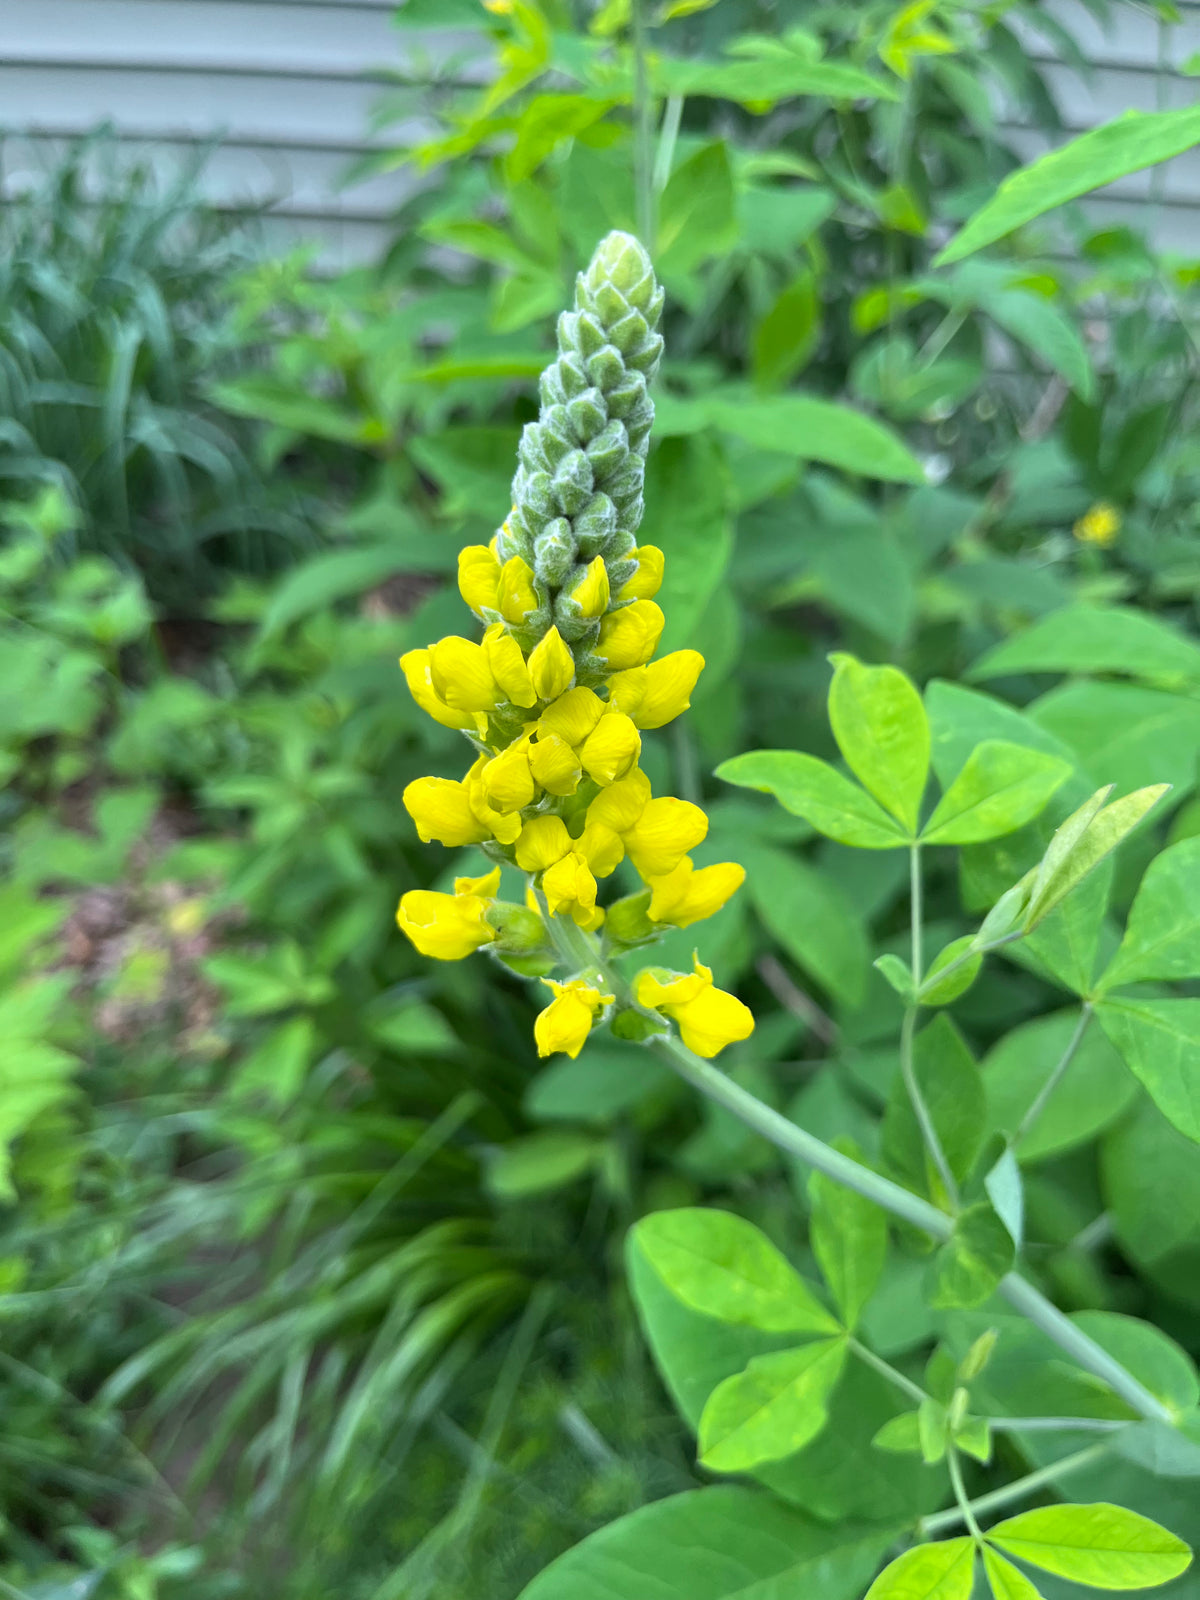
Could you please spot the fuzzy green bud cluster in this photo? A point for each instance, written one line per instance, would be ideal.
(577, 493)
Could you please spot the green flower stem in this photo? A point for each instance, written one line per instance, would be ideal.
(964, 1507)
(908, 1028)
(1016, 1490)
(1055, 1425)
(1052, 1082)
(886, 1370)
(579, 951)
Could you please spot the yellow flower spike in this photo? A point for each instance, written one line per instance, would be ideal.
(507, 780)
(479, 577)
(508, 666)
(554, 765)
(708, 1018)
(572, 716)
(487, 887)
(461, 675)
(621, 805)
(647, 580)
(664, 833)
(687, 895)
(1100, 525)
(551, 666)
(591, 594)
(566, 1022)
(517, 596)
(668, 688)
(612, 748)
(542, 842)
(630, 636)
(445, 926)
(441, 809)
(570, 887)
(417, 670)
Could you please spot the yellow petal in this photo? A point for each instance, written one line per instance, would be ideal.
(686, 896)
(658, 990)
(461, 675)
(508, 666)
(622, 804)
(486, 887)
(552, 666)
(441, 809)
(629, 636)
(647, 580)
(417, 669)
(591, 592)
(712, 1020)
(627, 690)
(517, 595)
(596, 920)
(664, 833)
(478, 577)
(569, 886)
(668, 688)
(507, 780)
(445, 926)
(554, 765)
(567, 1020)
(543, 841)
(611, 749)
(601, 848)
(572, 716)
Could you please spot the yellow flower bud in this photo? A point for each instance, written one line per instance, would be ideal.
(507, 780)
(543, 841)
(461, 675)
(445, 926)
(572, 716)
(647, 580)
(569, 886)
(554, 765)
(620, 806)
(479, 577)
(611, 749)
(591, 593)
(664, 833)
(508, 666)
(566, 1022)
(629, 636)
(516, 594)
(686, 896)
(551, 666)
(708, 1018)
(441, 809)
(417, 670)
(668, 688)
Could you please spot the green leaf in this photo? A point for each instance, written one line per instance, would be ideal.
(723, 1266)
(961, 718)
(772, 1409)
(943, 1571)
(284, 404)
(931, 1430)
(1168, 1449)
(1044, 330)
(688, 505)
(760, 84)
(901, 1434)
(882, 731)
(598, 1086)
(898, 973)
(971, 1263)
(811, 429)
(1089, 1097)
(953, 1091)
(811, 918)
(1124, 734)
(1096, 639)
(1104, 1546)
(849, 1238)
(1065, 943)
(1151, 1186)
(325, 579)
(1132, 141)
(1162, 936)
(787, 334)
(697, 217)
(819, 793)
(974, 1435)
(1001, 788)
(1160, 1043)
(1007, 1582)
(721, 1543)
(540, 1163)
(1082, 842)
(960, 980)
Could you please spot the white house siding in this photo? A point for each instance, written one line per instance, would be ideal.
(290, 85)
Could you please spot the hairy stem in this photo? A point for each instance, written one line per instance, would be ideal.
(1052, 1082)
(1016, 1490)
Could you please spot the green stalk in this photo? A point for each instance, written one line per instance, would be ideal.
(886, 1370)
(643, 133)
(1039, 1101)
(964, 1507)
(1013, 1491)
(908, 1028)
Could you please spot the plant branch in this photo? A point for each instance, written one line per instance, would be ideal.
(908, 1028)
(886, 1370)
(1038, 1104)
(643, 159)
(965, 1509)
(1016, 1490)
(1055, 1425)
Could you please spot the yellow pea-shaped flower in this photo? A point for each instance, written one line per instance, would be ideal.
(647, 580)
(555, 765)
(445, 926)
(664, 833)
(591, 593)
(708, 1018)
(570, 887)
(542, 842)
(688, 895)
(566, 1022)
(629, 637)
(479, 577)
(551, 666)
(461, 675)
(507, 780)
(441, 809)
(611, 749)
(417, 668)
(508, 666)
(572, 716)
(516, 594)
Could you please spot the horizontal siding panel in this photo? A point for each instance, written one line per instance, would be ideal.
(1129, 38)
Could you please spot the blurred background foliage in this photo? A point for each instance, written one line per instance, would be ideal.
(309, 1278)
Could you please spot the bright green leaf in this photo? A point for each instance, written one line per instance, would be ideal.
(1160, 1043)
(1091, 1094)
(1001, 788)
(1082, 842)
(811, 918)
(943, 1571)
(540, 1163)
(974, 1436)
(901, 1434)
(1162, 937)
(952, 1088)
(1106, 1547)
(812, 429)
(772, 1409)
(882, 731)
(941, 993)
(819, 793)
(1007, 1582)
(723, 1266)
(968, 1267)
(1096, 639)
(688, 505)
(849, 1239)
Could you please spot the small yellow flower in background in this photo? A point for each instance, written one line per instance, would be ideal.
(441, 809)
(647, 580)
(498, 8)
(686, 895)
(630, 636)
(551, 666)
(566, 1022)
(708, 1018)
(1099, 525)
